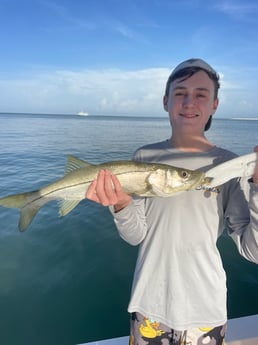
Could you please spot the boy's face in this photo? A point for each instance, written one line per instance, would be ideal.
(191, 102)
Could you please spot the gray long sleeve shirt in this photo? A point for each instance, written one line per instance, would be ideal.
(179, 279)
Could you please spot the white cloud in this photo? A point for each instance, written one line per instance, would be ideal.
(238, 96)
(63, 13)
(240, 10)
(96, 91)
(118, 92)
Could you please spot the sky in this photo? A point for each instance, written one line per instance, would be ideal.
(113, 57)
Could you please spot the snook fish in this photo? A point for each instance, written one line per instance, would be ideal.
(143, 179)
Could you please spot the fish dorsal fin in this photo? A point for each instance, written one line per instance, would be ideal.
(66, 206)
(74, 163)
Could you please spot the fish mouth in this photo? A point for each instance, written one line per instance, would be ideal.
(204, 182)
(207, 181)
(200, 182)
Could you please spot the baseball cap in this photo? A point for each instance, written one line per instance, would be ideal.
(194, 62)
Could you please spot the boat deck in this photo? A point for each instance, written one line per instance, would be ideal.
(241, 331)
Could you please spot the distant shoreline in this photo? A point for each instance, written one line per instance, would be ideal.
(245, 118)
(125, 115)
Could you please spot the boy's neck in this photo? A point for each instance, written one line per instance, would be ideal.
(191, 143)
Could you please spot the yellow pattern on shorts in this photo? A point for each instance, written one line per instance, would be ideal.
(206, 329)
(131, 340)
(150, 329)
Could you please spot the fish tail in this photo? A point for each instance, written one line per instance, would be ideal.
(25, 203)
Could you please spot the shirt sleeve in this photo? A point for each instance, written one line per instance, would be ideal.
(241, 217)
(131, 221)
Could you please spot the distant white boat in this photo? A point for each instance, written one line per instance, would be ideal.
(82, 113)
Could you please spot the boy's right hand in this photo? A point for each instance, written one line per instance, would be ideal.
(107, 191)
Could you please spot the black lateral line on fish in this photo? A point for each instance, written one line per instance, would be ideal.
(67, 187)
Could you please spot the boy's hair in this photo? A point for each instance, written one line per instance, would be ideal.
(187, 72)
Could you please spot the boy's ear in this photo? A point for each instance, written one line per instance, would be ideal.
(216, 104)
(165, 103)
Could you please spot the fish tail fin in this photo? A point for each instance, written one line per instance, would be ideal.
(16, 200)
(25, 203)
(26, 217)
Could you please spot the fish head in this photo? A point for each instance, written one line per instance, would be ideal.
(171, 180)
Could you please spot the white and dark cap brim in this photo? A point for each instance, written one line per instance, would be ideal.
(193, 63)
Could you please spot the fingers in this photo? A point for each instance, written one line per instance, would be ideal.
(100, 188)
(116, 184)
(104, 189)
(91, 192)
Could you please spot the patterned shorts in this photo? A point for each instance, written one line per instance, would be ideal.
(145, 331)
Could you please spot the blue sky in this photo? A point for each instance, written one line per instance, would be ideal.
(113, 57)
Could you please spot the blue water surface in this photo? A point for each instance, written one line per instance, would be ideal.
(67, 280)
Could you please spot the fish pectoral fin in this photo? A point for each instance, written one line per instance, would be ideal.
(66, 206)
(74, 163)
(26, 217)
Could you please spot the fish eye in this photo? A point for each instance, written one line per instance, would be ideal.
(184, 174)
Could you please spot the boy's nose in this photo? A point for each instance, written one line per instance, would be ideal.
(188, 100)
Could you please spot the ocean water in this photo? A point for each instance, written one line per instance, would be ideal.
(67, 280)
